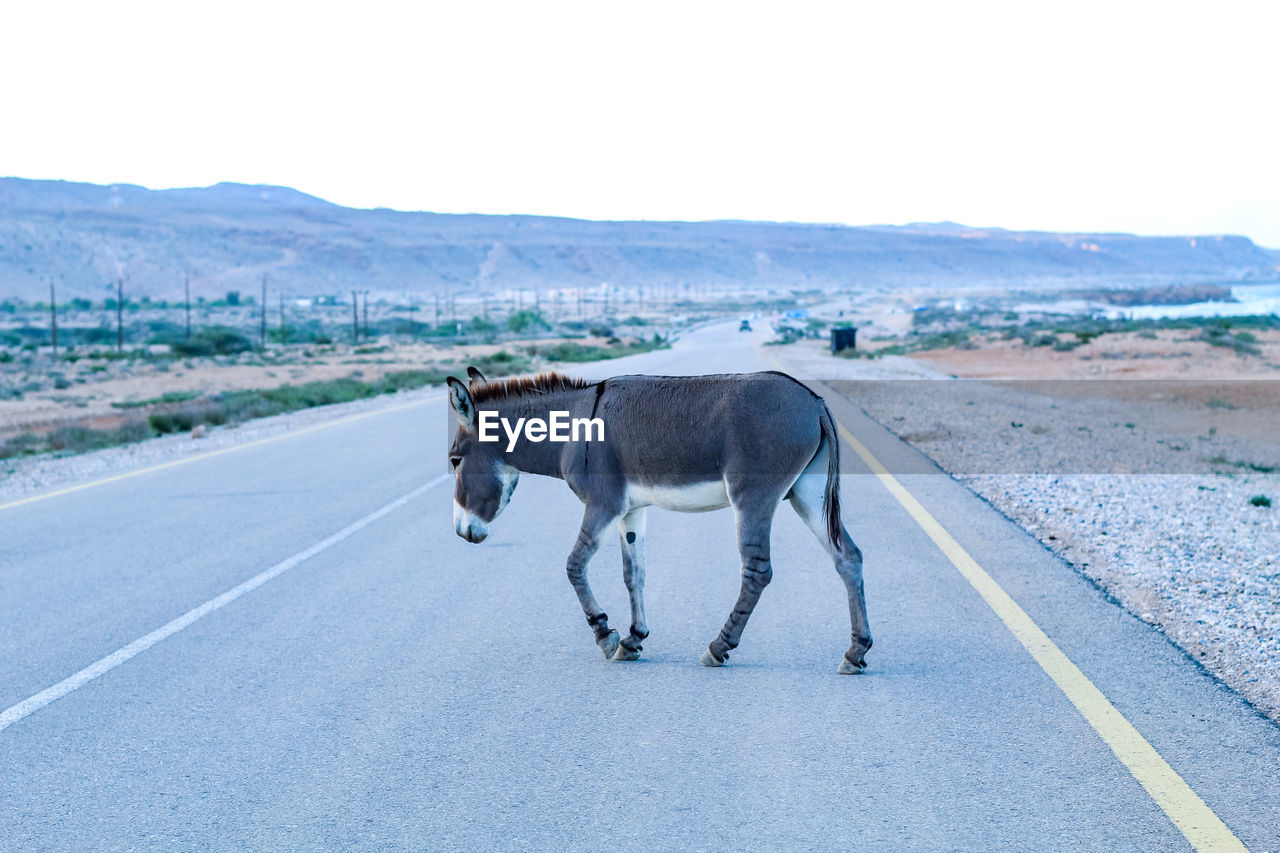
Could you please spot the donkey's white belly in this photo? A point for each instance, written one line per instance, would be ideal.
(697, 497)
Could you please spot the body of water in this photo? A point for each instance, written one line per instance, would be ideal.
(1250, 299)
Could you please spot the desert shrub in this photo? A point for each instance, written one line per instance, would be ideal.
(92, 335)
(211, 340)
(526, 320)
(166, 397)
(80, 439)
(20, 444)
(187, 417)
(1260, 500)
(401, 380)
(573, 352)
(411, 328)
(502, 363)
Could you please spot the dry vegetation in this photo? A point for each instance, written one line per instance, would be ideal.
(88, 394)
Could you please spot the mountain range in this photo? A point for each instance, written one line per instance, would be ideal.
(227, 236)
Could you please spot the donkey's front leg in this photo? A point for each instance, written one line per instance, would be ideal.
(753, 545)
(594, 522)
(631, 532)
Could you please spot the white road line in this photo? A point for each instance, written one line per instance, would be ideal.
(113, 660)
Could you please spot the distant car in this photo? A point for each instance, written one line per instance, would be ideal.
(744, 326)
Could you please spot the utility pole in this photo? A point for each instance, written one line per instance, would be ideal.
(186, 286)
(355, 317)
(282, 337)
(120, 314)
(366, 315)
(262, 334)
(53, 316)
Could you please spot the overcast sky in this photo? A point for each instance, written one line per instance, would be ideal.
(1151, 118)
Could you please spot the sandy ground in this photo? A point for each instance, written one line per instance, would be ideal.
(1170, 354)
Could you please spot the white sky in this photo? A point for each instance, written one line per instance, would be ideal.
(1152, 118)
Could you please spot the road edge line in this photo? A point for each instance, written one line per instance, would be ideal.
(101, 667)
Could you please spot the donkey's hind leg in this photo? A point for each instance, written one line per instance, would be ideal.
(755, 519)
(631, 533)
(806, 498)
(594, 522)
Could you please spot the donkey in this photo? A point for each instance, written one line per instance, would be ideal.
(690, 444)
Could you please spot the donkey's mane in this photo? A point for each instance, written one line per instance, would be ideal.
(543, 383)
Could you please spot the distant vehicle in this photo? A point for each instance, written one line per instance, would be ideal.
(744, 326)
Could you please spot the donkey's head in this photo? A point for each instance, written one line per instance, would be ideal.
(483, 481)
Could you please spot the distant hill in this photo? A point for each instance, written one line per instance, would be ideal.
(228, 235)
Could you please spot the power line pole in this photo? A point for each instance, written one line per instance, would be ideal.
(186, 286)
(262, 335)
(366, 315)
(355, 317)
(53, 316)
(282, 337)
(119, 314)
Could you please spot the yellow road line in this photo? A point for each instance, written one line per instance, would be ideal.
(1195, 820)
(196, 458)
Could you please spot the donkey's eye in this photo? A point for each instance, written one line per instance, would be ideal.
(455, 461)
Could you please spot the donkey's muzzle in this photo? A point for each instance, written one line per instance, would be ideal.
(473, 535)
(468, 525)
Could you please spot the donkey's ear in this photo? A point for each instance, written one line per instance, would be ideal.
(475, 375)
(460, 399)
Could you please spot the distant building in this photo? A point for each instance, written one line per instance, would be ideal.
(844, 337)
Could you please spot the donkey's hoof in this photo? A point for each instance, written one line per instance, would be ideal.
(609, 644)
(709, 659)
(847, 668)
(624, 653)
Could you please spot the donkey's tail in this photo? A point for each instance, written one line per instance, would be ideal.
(831, 495)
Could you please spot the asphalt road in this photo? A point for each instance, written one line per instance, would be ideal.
(403, 689)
